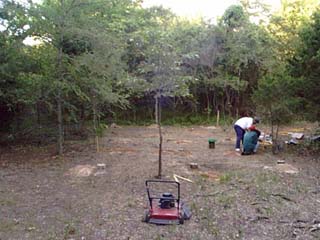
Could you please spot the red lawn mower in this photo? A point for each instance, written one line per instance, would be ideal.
(165, 208)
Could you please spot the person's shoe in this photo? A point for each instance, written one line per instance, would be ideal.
(246, 153)
(237, 149)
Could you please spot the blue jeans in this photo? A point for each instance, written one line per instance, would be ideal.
(240, 133)
(256, 147)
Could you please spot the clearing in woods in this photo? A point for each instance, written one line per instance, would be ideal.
(88, 195)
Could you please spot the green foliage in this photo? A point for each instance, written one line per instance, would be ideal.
(172, 118)
(234, 17)
(98, 58)
(13, 60)
(161, 70)
(307, 148)
(188, 120)
(275, 97)
(285, 25)
(256, 9)
(305, 65)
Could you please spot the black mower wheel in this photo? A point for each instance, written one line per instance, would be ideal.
(146, 217)
(181, 220)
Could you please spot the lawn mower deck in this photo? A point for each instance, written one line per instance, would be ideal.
(166, 208)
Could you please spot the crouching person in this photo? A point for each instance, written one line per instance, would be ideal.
(250, 141)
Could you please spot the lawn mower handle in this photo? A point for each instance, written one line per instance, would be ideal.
(162, 181)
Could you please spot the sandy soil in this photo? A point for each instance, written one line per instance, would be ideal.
(87, 195)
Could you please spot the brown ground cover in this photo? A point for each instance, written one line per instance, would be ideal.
(88, 195)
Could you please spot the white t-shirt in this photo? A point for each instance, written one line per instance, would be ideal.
(244, 122)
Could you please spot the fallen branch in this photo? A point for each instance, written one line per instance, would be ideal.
(316, 191)
(175, 176)
(315, 227)
(258, 218)
(284, 221)
(283, 197)
(210, 195)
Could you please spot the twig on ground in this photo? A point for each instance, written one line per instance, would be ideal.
(283, 197)
(210, 195)
(315, 227)
(258, 218)
(175, 176)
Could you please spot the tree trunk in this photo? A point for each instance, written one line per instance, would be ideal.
(59, 93)
(218, 118)
(273, 135)
(160, 152)
(38, 106)
(18, 114)
(208, 104)
(275, 145)
(94, 108)
(272, 123)
(135, 114)
(156, 110)
(160, 137)
(238, 95)
(60, 123)
(59, 113)
(228, 102)
(38, 115)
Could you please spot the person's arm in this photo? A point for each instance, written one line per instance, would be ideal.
(258, 132)
(255, 138)
(249, 124)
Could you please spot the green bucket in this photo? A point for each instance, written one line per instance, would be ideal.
(212, 142)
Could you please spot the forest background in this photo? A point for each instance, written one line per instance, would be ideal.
(98, 62)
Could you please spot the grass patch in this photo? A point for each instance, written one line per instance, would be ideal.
(226, 200)
(7, 202)
(212, 227)
(68, 230)
(160, 237)
(52, 236)
(7, 225)
(262, 193)
(268, 211)
(171, 118)
(268, 178)
(208, 222)
(225, 178)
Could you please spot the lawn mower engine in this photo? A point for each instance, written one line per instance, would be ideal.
(166, 208)
(167, 201)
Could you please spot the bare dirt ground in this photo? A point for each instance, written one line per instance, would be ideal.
(231, 196)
